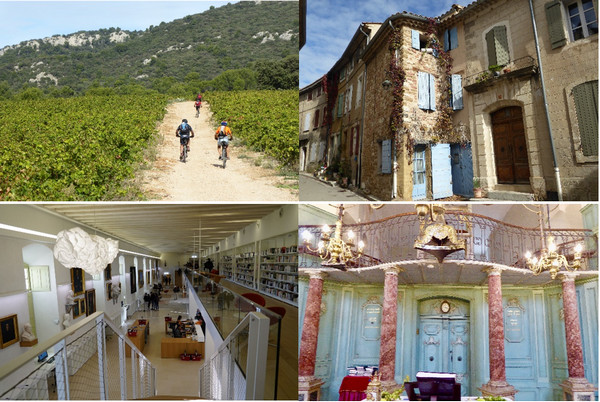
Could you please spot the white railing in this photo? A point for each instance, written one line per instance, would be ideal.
(222, 377)
(86, 361)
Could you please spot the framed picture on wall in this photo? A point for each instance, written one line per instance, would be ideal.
(82, 306)
(107, 273)
(76, 309)
(132, 279)
(9, 330)
(108, 290)
(77, 281)
(140, 278)
(90, 301)
(148, 277)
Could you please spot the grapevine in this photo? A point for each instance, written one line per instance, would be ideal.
(79, 148)
(267, 121)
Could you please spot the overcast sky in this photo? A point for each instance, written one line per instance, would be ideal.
(330, 25)
(24, 20)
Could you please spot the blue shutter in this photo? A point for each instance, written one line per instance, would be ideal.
(423, 90)
(457, 92)
(431, 92)
(453, 38)
(419, 174)
(416, 42)
(386, 156)
(446, 40)
(441, 171)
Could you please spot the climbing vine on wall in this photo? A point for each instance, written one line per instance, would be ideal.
(444, 127)
(397, 76)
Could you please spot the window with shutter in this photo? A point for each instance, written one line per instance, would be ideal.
(586, 105)
(555, 24)
(497, 46)
(340, 105)
(583, 21)
(457, 92)
(426, 91)
(415, 39)
(450, 39)
(359, 92)
(307, 122)
(316, 123)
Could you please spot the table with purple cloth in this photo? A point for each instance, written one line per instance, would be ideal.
(353, 388)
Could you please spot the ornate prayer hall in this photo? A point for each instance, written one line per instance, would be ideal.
(501, 299)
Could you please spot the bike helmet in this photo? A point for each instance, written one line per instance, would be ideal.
(184, 121)
(223, 123)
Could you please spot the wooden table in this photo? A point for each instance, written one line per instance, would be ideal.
(143, 332)
(173, 347)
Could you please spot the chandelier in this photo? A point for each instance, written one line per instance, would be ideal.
(551, 260)
(336, 252)
(435, 236)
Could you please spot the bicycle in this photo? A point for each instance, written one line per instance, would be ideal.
(197, 112)
(224, 154)
(183, 157)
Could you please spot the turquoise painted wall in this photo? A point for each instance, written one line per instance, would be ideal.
(534, 333)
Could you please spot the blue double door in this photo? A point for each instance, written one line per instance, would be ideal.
(451, 171)
(444, 347)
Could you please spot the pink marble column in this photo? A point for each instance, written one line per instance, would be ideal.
(310, 327)
(576, 387)
(497, 386)
(309, 387)
(572, 328)
(387, 348)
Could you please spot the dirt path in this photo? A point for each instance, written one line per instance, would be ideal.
(202, 178)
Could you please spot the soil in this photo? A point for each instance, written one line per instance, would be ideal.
(202, 177)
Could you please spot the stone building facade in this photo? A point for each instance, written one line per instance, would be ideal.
(503, 135)
(312, 106)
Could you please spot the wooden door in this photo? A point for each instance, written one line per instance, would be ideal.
(441, 171)
(419, 174)
(510, 148)
(462, 170)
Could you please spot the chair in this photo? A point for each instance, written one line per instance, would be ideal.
(433, 387)
(255, 297)
(277, 310)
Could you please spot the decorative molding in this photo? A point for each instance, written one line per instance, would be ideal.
(431, 341)
(514, 302)
(372, 300)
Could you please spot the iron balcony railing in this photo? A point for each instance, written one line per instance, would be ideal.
(487, 239)
(522, 67)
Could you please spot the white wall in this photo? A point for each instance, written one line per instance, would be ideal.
(281, 221)
(18, 249)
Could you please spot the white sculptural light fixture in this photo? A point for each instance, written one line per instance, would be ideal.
(76, 248)
(336, 252)
(549, 259)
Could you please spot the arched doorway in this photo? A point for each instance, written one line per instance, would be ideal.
(443, 338)
(510, 147)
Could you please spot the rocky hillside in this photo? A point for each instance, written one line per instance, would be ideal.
(224, 38)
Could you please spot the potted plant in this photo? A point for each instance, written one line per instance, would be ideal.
(483, 76)
(477, 190)
(495, 69)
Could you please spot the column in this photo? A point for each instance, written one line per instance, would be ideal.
(497, 385)
(576, 385)
(309, 387)
(387, 348)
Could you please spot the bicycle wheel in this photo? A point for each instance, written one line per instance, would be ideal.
(184, 153)
(224, 155)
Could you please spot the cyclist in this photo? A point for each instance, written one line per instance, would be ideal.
(198, 105)
(223, 136)
(183, 132)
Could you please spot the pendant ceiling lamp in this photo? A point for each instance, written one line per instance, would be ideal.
(76, 248)
(435, 236)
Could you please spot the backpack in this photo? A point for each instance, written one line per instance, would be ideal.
(184, 128)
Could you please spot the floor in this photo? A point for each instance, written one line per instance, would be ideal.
(176, 378)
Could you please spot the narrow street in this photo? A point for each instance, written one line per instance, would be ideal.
(312, 189)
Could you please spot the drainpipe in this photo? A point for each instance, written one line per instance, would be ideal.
(362, 119)
(395, 164)
(537, 49)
